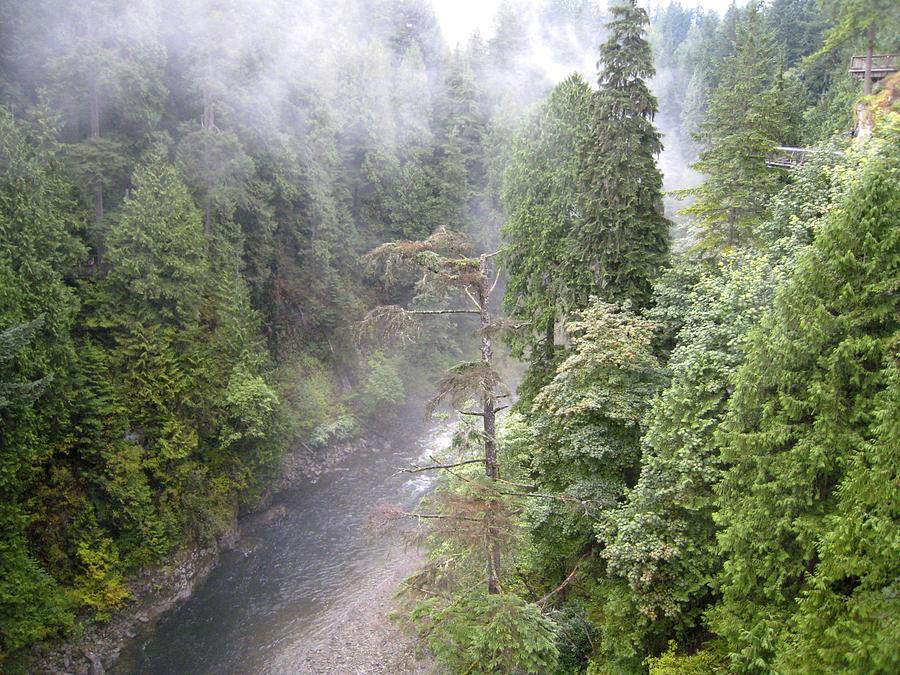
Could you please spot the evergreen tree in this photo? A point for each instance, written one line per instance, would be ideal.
(747, 118)
(861, 22)
(621, 239)
(541, 197)
(809, 410)
(37, 311)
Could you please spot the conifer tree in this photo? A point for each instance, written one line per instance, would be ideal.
(805, 542)
(541, 197)
(621, 238)
(37, 310)
(747, 118)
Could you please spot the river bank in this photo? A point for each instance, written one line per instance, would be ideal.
(159, 589)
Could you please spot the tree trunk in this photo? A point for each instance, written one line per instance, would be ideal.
(550, 342)
(489, 412)
(870, 46)
(95, 133)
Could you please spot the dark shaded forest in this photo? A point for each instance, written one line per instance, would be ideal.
(698, 471)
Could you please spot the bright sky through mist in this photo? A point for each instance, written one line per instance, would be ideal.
(459, 18)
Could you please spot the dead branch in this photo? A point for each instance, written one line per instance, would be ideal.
(537, 495)
(386, 322)
(496, 279)
(565, 583)
(472, 298)
(433, 516)
(463, 381)
(415, 468)
(440, 311)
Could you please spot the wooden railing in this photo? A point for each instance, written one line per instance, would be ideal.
(882, 65)
(784, 157)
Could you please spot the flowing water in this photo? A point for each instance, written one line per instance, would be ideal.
(277, 593)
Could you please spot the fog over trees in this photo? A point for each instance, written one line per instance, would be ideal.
(235, 232)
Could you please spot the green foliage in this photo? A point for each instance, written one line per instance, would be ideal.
(155, 250)
(671, 663)
(541, 197)
(37, 218)
(216, 167)
(480, 633)
(748, 116)
(144, 397)
(99, 585)
(381, 394)
(338, 430)
(621, 239)
(587, 420)
(582, 443)
(808, 404)
(663, 540)
(309, 393)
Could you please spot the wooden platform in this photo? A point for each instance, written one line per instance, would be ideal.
(882, 66)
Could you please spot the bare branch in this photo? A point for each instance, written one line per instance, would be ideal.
(415, 468)
(537, 495)
(441, 311)
(386, 322)
(472, 298)
(565, 583)
(496, 279)
(436, 516)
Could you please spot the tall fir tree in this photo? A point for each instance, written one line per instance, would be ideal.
(621, 239)
(37, 310)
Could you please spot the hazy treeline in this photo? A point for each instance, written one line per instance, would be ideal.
(185, 191)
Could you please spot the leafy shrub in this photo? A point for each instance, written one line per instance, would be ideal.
(99, 586)
(672, 663)
(310, 394)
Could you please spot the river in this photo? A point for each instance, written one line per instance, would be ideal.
(279, 589)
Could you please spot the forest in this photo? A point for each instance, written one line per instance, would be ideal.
(232, 230)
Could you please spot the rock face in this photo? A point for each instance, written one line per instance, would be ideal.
(96, 667)
(157, 590)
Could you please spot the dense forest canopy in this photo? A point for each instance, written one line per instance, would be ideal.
(699, 471)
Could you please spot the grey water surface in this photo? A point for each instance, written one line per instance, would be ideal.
(277, 592)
